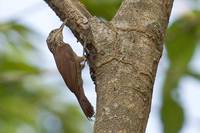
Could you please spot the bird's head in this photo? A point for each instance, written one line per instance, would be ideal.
(55, 38)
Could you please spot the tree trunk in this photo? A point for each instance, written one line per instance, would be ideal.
(123, 56)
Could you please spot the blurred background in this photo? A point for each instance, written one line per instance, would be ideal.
(34, 98)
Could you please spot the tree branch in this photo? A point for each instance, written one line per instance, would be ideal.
(143, 12)
(123, 56)
(75, 15)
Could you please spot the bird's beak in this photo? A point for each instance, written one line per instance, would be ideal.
(59, 30)
(62, 26)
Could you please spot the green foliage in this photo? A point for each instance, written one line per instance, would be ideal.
(23, 97)
(182, 40)
(27, 104)
(102, 8)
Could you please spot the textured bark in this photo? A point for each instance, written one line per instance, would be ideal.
(123, 55)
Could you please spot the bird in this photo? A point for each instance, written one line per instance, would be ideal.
(69, 65)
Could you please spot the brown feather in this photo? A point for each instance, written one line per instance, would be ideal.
(69, 67)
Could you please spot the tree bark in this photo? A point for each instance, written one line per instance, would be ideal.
(123, 56)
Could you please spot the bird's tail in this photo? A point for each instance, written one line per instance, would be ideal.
(86, 105)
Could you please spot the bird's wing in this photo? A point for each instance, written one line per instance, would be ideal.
(67, 67)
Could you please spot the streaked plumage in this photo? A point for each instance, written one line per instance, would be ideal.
(69, 66)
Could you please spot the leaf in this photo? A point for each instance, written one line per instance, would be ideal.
(102, 8)
(172, 116)
(182, 40)
(17, 34)
(193, 74)
(11, 65)
(14, 26)
(72, 113)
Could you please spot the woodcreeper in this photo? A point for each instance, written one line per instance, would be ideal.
(69, 65)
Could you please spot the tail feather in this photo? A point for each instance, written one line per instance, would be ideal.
(86, 106)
